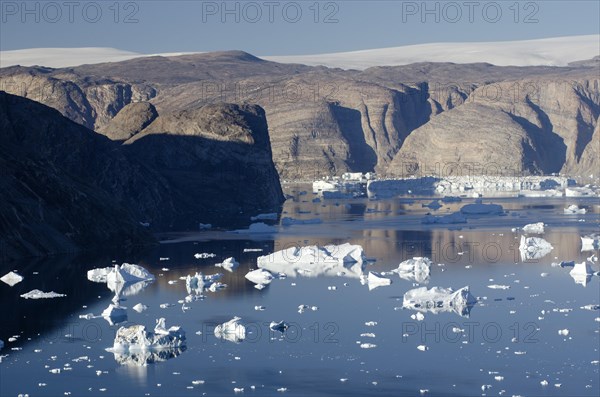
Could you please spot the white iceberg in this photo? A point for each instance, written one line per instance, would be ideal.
(574, 209)
(260, 277)
(416, 269)
(478, 208)
(197, 283)
(125, 279)
(437, 300)
(37, 294)
(453, 218)
(534, 248)
(590, 242)
(375, 280)
(229, 264)
(204, 255)
(582, 273)
(578, 192)
(140, 307)
(232, 330)
(534, 228)
(313, 261)
(280, 326)
(136, 338)
(12, 278)
(115, 314)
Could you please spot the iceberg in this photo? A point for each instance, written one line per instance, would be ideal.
(260, 277)
(204, 255)
(280, 326)
(375, 280)
(197, 283)
(37, 294)
(140, 307)
(534, 228)
(229, 264)
(573, 209)
(126, 279)
(437, 300)
(582, 273)
(231, 331)
(313, 261)
(590, 242)
(534, 248)
(578, 192)
(11, 278)
(416, 269)
(137, 338)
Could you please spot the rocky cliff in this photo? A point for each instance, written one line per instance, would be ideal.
(67, 188)
(326, 121)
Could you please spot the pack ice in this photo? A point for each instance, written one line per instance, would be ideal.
(137, 338)
(232, 330)
(533, 248)
(12, 278)
(312, 261)
(416, 269)
(437, 300)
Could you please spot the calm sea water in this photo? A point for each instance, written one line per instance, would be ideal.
(510, 342)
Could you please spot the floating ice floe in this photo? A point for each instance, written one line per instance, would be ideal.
(534, 228)
(453, 218)
(37, 294)
(260, 277)
(229, 264)
(258, 228)
(204, 255)
(579, 192)
(137, 338)
(375, 280)
(590, 242)
(231, 331)
(497, 286)
(140, 308)
(478, 208)
(582, 273)
(368, 345)
(280, 326)
(11, 278)
(416, 269)
(312, 261)
(437, 300)
(292, 221)
(574, 209)
(534, 248)
(253, 249)
(115, 314)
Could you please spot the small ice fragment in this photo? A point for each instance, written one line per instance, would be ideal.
(166, 305)
(231, 330)
(253, 249)
(422, 348)
(259, 308)
(563, 332)
(260, 276)
(375, 280)
(229, 264)
(280, 326)
(238, 389)
(282, 389)
(544, 383)
(140, 307)
(37, 294)
(204, 255)
(497, 286)
(367, 346)
(197, 382)
(367, 335)
(12, 278)
(534, 228)
(499, 378)
(418, 316)
(55, 371)
(574, 209)
(371, 323)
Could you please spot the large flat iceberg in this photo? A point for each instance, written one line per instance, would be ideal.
(312, 261)
(437, 300)
(37, 294)
(534, 248)
(416, 269)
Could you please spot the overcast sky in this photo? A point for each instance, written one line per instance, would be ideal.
(284, 27)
